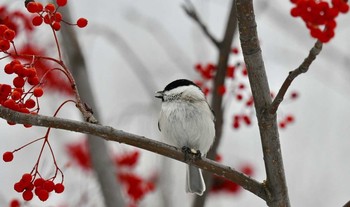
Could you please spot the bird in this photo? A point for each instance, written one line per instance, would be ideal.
(186, 121)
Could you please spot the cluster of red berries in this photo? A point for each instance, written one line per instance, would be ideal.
(49, 14)
(41, 187)
(27, 184)
(208, 71)
(6, 37)
(286, 121)
(135, 186)
(319, 16)
(221, 184)
(234, 85)
(241, 118)
(16, 97)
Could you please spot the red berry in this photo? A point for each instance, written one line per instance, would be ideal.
(4, 45)
(39, 182)
(16, 95)
(282, 125)
(248, 170)
(31, 72)
(9, 34)
(221, 90)
(43, 194)
(47, 19)
(18, 67)
(33, 80)
(295, 12)
(7, 156)
(58, 17)
(49, 185)
(18, 82)
(9, 103)
(5, 89)
(11, 123)
(239, 97)
(316, 32)
(236, 124)
(244, 72)
(24, 110)
(26, 177)
(230, 71)
(59, 188)
(19, 187)
(247, 120)
(27, 125)
(15, 203)
(32, 7)
(50, 7)
(56, 26)
(331, 25)
(344, 8)
(27, 195)
(9, 69)
(235, 50)
(3, 28)
(290, 118)
(30, 103)
(294, 95)
(38, 92)
(61, 2)
(198, 67)
(37, 20)
(82, 22)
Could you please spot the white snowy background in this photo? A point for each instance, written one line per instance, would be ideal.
(315, 148)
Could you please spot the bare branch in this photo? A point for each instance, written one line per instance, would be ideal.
(275, 181)
(303, 68)
(111, 134)
(347, 204)
(192, 13)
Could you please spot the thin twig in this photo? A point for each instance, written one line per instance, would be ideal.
(303, 68)
(111, 134)
(192, 13)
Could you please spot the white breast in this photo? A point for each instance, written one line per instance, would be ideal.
(187, 124)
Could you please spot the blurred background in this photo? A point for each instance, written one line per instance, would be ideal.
(134, 48)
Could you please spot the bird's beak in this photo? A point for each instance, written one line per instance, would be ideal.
(159, 94)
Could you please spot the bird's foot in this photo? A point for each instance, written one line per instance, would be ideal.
(191, 154)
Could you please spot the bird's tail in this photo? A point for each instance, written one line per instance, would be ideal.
(194, 180)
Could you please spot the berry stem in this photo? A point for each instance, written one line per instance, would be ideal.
(57, 44)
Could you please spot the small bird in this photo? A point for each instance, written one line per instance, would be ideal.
(186, 121)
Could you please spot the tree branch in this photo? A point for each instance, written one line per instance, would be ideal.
(347, 204)
(275, 182)
(111, 134)
(192, 13)
(303, 68)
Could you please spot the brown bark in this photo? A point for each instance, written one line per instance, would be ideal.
(276, 187)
